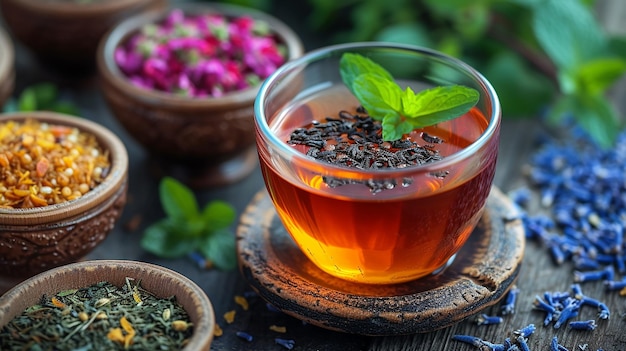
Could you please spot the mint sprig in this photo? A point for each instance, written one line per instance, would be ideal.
(401, 111)
(40, 97)
(188, 229)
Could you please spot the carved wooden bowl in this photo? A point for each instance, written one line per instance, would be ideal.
(33, 240)
(159, 281)
(67, 33)
(212, 138)
(7, 71)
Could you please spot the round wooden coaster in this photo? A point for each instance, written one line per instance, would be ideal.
(481, 274)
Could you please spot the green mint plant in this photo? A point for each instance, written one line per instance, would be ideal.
(585, 64)
(540, 55)
(187, 229)
(401, 111)
(40, 97)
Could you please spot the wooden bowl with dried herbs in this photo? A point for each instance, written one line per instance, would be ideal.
(107, 305)
(63, 185)
(191, 74)
(7, 70)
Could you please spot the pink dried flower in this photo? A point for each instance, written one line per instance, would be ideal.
(199, 56)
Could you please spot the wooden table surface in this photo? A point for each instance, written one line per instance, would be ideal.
(538, 273)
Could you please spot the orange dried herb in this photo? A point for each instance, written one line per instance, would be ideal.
(43, 164)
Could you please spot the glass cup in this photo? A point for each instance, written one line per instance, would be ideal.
(376, 226)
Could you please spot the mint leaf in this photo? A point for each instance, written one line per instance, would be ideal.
(407, 33)
(160, 239)
(378, 95)
(402, 111)
(353, 65)
(184, 230)
(45, 94)
(568, 32)
(394, 126)
(64, 107)
(593, 113)
(27, 100)
(220, 249)
(521, 91)
(596, 115)
(439, 104)
(218, 215)
(595, 77)
(177, 200)
(561, 108)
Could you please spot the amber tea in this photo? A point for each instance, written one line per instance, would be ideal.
(397, 234)
(377, 226)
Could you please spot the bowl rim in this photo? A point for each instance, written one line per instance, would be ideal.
(112, 74)
(89, 272)
(490, 136)
(112, 183)
(7, 54)
(59, 8)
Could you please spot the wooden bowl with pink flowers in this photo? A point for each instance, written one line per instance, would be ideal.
(183, 84)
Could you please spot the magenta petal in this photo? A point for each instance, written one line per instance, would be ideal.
(200, 55)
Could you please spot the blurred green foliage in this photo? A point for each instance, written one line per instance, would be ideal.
(544, 57)
(40, 97)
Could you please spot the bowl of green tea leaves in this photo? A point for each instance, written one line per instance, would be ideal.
(106, 305)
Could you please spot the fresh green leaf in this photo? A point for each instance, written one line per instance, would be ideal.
(473, 20)
(562, 107)
(45, 94)
(384, 100)
(526, 2)
(27, 100)
(617, 46)
(41, 97)
(567, 79)
(220, 249)
(218, 215)
(366, 19)
(442, 103)
(522, 91)
(379, 96)
(407, 33)
(446, 7)
(593, 113)
(596, 115)
(177, 200)
(160, 239)
(353, 65)
(450, 45)
(184, 230)
(64, 107)
(394, 126)
(189, 228)
(323, 12)
(596, 76)
(568, 32)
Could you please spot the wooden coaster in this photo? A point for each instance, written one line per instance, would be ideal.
(483, 271)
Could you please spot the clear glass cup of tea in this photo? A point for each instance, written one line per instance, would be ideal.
(365, 221)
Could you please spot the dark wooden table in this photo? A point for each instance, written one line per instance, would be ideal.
(538, 273)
